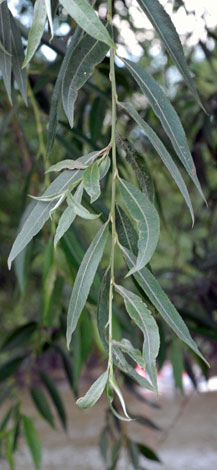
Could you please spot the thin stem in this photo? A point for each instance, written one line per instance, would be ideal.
(114, 176)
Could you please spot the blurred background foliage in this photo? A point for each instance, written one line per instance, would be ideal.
(34, 296)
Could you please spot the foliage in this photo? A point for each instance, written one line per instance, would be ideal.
(115, 185)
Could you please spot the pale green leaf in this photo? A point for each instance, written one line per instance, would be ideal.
(147, 219)
(79, 209)
(2, 48)
(104, 166)
(143, 318)
(85, 16)
(32, 440)
(5, 38)
(164, 26)
(49, 15)
(94, 392)
(91, 182)
(168, 117)
(87, 53)
(37, 29)
(68, 216)
(67, 165)
(126, 346)
(162, 152)
(115, 387)
(84, 279)
(41, 210)
(18, 58)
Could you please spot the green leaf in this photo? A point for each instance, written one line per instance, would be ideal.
(37, 29)
(97, 115)
(94, 392)
(147, 452)
(113, 384)
(19, 337)
(84, 279)
(42, 405)
(85, 16)
(56, 96)
(126, 233)
(32, 440)
(67, 363)
(18, 58)
(68, 216)
(133, 453)
(143, 318)
(49, 15)
(55, 396)
(79, 209)
(162, 152)
(176, 357)
(87, 53)
(5, 38)
(126, 346)
(7, 369)
(104, 166)
(41, 210)
(168, 117)
(91, 182)
(164, 26)
(2, 48)
(146, 216)
(67, 165)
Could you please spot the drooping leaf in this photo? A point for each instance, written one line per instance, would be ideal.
(126, 233)
(113, 384)
(5, 38)
(87, 53)
(8, 368)
(143, 318)
(55, 396)
(36, 31)
(67, 363)
(146, 216)
(94, 392)
(68, 216)
(84, 279)
(32, 440)
(41, 210)
(104, 167)
(168, 117)
(147, 452)
(79, 209)
(152, 288)
(133, 453)
(49, 15)
(176, 357)
(67, 165)
(18, 58)
(41, 402)
(164, 26)
(126, 346)
(19, 336)
(91, 182)
(56, 96)
(85, 16)
(162, 152)
(97, 115)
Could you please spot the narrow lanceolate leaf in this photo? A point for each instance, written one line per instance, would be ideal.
(18, 58)
(55, 397)
(79, 209)
(104, 167)
(146, 216)
(143, 318)
(87, 53)
(56, 96)
(49, 15)
(84, 279)
(67, 165)
(42, 405)
(32, 440)
(37, 29)
(159, 299)
(5, 38)
(85, 16)
(68, 216)
(167, 115)
(94, 392)
(41, 210)
(126, 346)
(91, 181)
(164, 26)
(177, 361)
(162, 152)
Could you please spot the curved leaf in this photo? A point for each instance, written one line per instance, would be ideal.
(8, 368)
(37, 29)
(85, 16)
(143, 318)
(67, 165)
(91, 182)
(94, 392)
(126, 346)
(79, 209)
(18, 58)
(41, 210)
(55, 396)
(5, 38)
(168, 117)
(87, 53)
(68, 216)
(164, 26)
(42, 405)
(49, 15)
(84, 279)
(162, 152)
(32, 440)
(146, 216)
